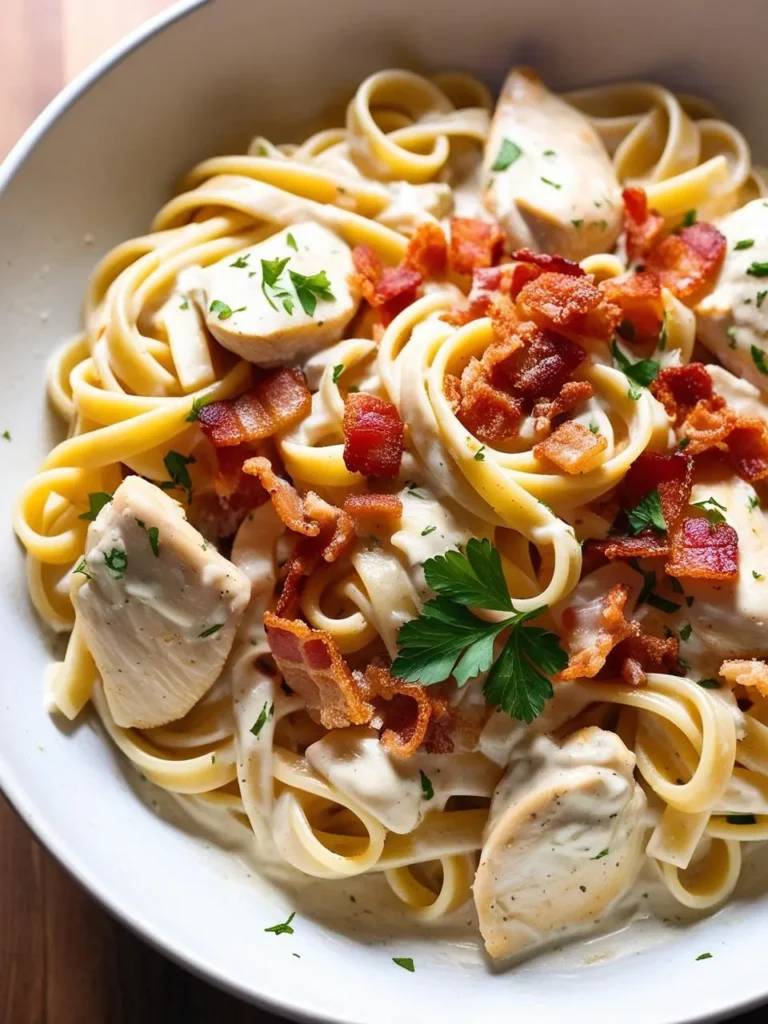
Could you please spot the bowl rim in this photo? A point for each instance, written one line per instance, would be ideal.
(11, 784)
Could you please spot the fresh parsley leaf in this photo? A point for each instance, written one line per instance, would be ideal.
(649, 580)
(741, 819)
(291, 242)
(117, 562)
(310, 289)
(553, 184)
(284, 928)
(184, 304)
(760, 299)
(686, 631)
(475, 579)
(427, 530)
(713, 508)
(549, 152)
(508, 153)
(80, 567)
(754, 501)
(683, 443)
(643, 372)
(223, 310)
(153, 535)
(577, 223)
(427, 788)
(758, 269)
(266, 712)
(210, 630)
(515, 683)
(271, 272)
(288, 306)
(647, 513)
(704, 956)
(197, 404)
(242, 262)
(689, 218)
(709, 684)
(757, 575)
(758, 358)
(479, 455)
(337, 372)
(603, 853)
(657, 601)
(405, 962)
(744, 243)
(594, 428)
(176, 464)
(96, 501)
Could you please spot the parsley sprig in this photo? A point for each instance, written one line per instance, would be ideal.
(647, 513)
(641, 374)
(448, 639)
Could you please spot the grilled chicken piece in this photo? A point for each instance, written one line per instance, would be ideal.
(551, 184)
(563, 844)
(267, 316)
(158, 605)
(732, 321)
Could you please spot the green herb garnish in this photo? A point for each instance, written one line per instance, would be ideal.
(744, 243)
(508, 153)
(96, 502)
(284, 928)
(758, 358)
(704, 956)
(657, 601)
(223, 310)
(405, 962)
(643, 372)
(713, 508)
(242, 262)
(553, 184)
(689, 218)
(310, 289)
(271, 272)
(266, 712)
(117, 562)
(758, 269)
(479, 455)
(210, 630)
(291, 242)
(176, 465)
(709, 684)
(197, 404)
(427, 788)
(427, 530)
(337, 372)
(153, 535)
(80, 567)
(647, 513)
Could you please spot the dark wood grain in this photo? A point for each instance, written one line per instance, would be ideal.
(64, 960)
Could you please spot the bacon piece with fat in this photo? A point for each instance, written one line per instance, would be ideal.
(427, 251)
(670, 475)
(474, 244)
(703, 550)
(638, 296)
(277, 402)
(388, 289)
(288, 503)
(748, 449)
(311, 664)
(641, 653)
(643, 227)
(747, 672)
(373, 436)
(570, 305)
(571, 447)
(646, 544)
(572, 393)
(402, 711)
(547, 262)
(593, 630)
(698, 414)
(386, 507)
(689, 261)
(488, 283)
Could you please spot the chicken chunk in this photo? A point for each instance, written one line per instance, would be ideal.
(551, 184)
(732, 321)
(281, 300)
(563, 844)
(157, 604)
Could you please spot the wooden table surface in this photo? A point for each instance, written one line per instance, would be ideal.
(64, 960)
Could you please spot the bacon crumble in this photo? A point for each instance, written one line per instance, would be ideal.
(277, 402)
(570, 304)
(638, 296)
(571, 447)
(373, 436)
(643, 227)
(387, 507)
(703, 550)
(689, 261)
(474, 244)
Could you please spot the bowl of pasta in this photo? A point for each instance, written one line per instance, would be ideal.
(387, 568)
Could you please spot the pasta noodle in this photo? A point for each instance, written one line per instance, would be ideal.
(566, 476)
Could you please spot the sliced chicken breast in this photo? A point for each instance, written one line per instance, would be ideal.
(564, 842)
(158, 605)
(281, 300)
(732, 321)
(550, 182)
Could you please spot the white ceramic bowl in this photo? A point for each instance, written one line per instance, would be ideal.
(91, 171)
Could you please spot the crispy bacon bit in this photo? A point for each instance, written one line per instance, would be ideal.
(709, 423)
(549, 262)
(571, 447)
(427, 251)
(638, 296)
(389, 289)
(643, 227)
(402, 711)
(276, 402)
(571, 305)
(312, 665)
(485, 410)
(572, 393)
(486, 283)
(286, 499)
(387, 507)
(703, 550)
(688, 262)
(639, 654)
(594, 629)
(368, 270)
(748, 449)
(679, 388)
(373, 436)
(646, 544)
(750, 673)
(671, 475)
(474, 244)
(336, 526)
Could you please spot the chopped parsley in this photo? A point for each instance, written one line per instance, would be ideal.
(758, 269)
(549, 152)
(757, 575)
(266, 712)
(713, 509)
(577, 223)
(176, 465)
(732, 338)
(603, 853)
(412, 492)
(224, 311)
(291, 242)
(210, 630)
(242, 262)
(184, 304)
(197, 404)
(96, 502)
(479, 455)
(754, 501)
(80, 567)
(683, 443)
(709, 684)
(271, 272)
(337, 372)
(760, 298)
(6, 435)
(553, 184)
(117, 562)
(405, 962)
(744, 243)
(758, 358)
(741, 819)
(689, 218)
(284, 928)
(153, 535)
(686, 631)
(657, 601)
(704, 956)
(310, 289)
(427, 530)
(642, 373)
(594, 428)
(647, 513)
(448, 639)
(509, 151)
(427, 788)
